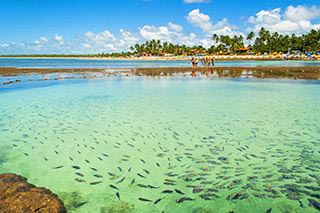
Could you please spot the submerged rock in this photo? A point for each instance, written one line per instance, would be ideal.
(17, 195)
(73, 200)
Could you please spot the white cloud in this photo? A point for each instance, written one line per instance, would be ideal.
(168, 34)
(41, 41)
(201, 20)
(59, 39)
(293, 20)
(302, 13)
(100, 37)
(175, 27)
(196, 1)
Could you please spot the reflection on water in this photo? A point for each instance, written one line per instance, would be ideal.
(152, 144)
(81, 63)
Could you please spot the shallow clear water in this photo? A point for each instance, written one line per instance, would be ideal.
(81, 63)
(241, 145)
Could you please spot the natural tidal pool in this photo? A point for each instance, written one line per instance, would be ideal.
(139, 144)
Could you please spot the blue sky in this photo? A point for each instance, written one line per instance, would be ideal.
(88, 26)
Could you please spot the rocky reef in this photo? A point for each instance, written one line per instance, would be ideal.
(17, 195)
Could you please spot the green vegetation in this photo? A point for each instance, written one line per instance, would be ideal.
(259, 43)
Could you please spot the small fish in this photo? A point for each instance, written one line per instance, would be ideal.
(114, 187)
(118, 195)
(79, 180)
(167, 191)
(94, 169)
(98, 176)
(78, 205)
(76, 167)
(146, 171)
(140, 175)
(144, 199)
(95, 183)
(157, 201)
(133, 180)
(121, 180)
(178, 191)
(142, 161)
(315, 204)
(183, 199)
(152, 187)
(142, 185)
(301, 204)
(79, 174)
(57, 167)
(269, 210)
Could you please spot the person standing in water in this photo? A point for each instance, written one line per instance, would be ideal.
(194, 62)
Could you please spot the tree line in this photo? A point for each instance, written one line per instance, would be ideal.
(257, 43)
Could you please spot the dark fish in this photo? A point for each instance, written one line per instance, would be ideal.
(144, 199)
(315, 204)
(94, 169)
(301, 204)
(169, 183)
(120, 169)
(98, 176)
(142, 161)
(142, 185)
(76, 167)
(158, 164)
(57, 167)
(95, 183)
(146, 171)
(78, 205)
(111, 174)
(178, 191)
(133, 180)
(183, 199)
(122, 179)
(129, 170)
(118, 195)
(79, 174)
(152, 187)
(157, 201)
(140, 175)
(79, 180)
(269, 210)
(114, 187)
(167, 191)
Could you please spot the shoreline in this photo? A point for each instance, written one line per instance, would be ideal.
(308, 73)
(164, 58)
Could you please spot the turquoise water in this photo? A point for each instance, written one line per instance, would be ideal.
(138, 144)
(80, 63)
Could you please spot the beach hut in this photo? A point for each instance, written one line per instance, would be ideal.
(243, 50)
